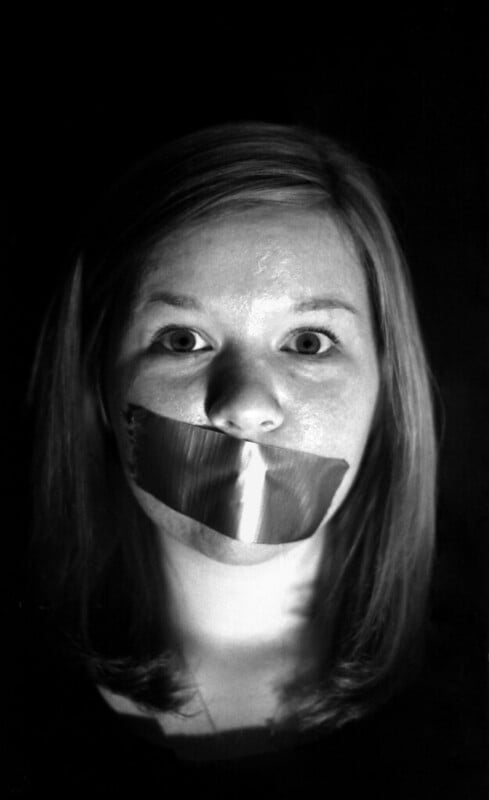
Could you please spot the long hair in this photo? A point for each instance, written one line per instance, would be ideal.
(96, 548)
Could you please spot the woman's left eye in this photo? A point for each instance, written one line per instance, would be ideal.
(311, 342)
(178, 340)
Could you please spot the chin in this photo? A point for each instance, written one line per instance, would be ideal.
(177, 529)
(218, 547)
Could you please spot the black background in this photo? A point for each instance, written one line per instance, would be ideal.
(407, 92)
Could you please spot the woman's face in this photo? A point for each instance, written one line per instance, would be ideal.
(259, 325)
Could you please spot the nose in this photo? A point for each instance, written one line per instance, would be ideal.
(241, 401)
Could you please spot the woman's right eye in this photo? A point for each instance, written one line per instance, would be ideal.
(178, 341)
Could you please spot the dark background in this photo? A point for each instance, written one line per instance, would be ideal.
(408, 93)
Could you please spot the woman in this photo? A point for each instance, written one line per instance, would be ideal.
(243, 281)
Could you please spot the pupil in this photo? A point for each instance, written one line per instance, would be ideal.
(182, 341)
(308, 343)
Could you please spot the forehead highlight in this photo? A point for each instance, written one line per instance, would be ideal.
(270, 245)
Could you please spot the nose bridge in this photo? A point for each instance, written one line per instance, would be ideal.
(241, 396)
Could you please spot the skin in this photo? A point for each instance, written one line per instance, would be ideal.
(248, 376)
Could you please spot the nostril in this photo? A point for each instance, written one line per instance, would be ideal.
(241, 427)
(231, 425)
(267, 424)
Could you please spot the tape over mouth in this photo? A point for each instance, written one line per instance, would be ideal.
(248, 491)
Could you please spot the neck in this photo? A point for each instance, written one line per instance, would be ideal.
(221, 608)
(238, 628)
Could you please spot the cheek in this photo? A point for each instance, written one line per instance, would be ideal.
(345, 430)
(335, 418)
(180, 399)
(149, 388)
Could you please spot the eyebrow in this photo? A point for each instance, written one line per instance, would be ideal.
(322, 303)
(302, 306)
(172, 299)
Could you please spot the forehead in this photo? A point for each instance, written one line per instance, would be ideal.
(268, 252)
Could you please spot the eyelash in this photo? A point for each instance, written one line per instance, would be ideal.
(155, 341)
(326, 331)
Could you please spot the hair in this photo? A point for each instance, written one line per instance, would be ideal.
(95, 546)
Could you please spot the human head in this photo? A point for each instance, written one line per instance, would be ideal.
(222, 171)
(237, 281)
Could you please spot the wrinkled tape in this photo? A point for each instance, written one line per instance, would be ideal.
(251, 492)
